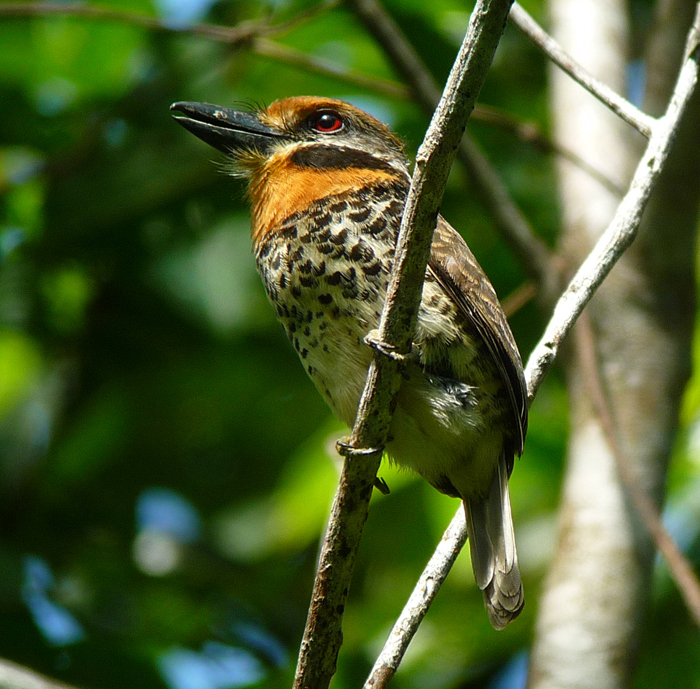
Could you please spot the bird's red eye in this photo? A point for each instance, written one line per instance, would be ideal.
(327, 122)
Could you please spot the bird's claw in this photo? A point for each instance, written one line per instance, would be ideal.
(372, 339)
(345, 449)
(381, 485)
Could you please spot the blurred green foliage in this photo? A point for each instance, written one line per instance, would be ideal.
(166, 466)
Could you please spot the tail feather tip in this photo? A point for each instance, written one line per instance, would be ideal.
(503, 607)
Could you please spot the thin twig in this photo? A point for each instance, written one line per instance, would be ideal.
(618, 236)
(511, 222)
(399, 50)
(418, 603)
(623, 108)
(233, 35)
(609, 249)
(680, 568)
(323, 635)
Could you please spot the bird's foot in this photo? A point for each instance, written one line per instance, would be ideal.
(372, 339)
(344, 448)
(381, 485)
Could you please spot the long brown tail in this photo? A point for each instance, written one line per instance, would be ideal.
(492, 545)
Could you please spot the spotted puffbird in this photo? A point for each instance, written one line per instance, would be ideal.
(327, 185)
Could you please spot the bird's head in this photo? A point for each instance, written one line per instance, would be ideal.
(297, 150)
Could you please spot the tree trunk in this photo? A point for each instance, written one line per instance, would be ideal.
(596, 591)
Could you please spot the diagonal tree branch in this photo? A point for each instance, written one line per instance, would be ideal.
(323, 635)
(621, 107)
(416, 607)
(521, 295)
(597, 585)
(605, 254)
(622, 230)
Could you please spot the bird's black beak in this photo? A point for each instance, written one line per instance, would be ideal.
(225, 129)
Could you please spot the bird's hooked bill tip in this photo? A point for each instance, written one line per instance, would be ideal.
(223, 128)
(220, 116)
(202, 112)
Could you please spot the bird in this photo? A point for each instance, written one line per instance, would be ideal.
(327, 184)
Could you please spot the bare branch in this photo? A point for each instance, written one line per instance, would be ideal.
(511, 222)
(621, 107)
(680, 568)
(418, 603)
(323, 635)
(619, 234)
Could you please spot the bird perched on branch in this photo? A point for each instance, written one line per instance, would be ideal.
(327, 184)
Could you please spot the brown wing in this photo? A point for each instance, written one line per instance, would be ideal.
(456, 270)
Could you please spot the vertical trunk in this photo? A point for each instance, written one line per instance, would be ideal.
(595, 594)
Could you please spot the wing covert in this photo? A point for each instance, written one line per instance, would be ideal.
(454, 267)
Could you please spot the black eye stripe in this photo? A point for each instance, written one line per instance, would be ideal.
(321, 156)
